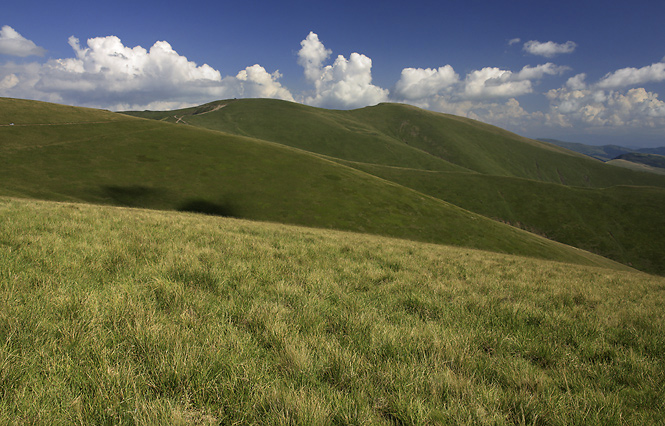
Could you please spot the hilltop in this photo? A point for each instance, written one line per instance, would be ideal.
(404, 136)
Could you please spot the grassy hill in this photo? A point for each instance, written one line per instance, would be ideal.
(623, 223)
(636, 166)
(109, 158)
(405, 136)
(124, 316)
(333, 133)
(534, 185)
(119, 315)
(652, 160)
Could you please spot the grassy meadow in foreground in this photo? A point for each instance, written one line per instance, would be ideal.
(121, 316)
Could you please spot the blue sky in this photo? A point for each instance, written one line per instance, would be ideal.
(582, 71)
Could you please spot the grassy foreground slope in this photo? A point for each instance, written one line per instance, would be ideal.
(123, 316)
(142, 163)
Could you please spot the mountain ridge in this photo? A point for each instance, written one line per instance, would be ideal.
(406, 136)
(603, 152)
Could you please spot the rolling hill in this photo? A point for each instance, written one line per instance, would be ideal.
(652, 160)
(534, 185)
(404, 136)
(107, 158)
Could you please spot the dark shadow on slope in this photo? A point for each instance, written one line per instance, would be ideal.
(133, 195)
(225, 209)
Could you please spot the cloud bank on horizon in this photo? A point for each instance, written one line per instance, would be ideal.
(104, 73)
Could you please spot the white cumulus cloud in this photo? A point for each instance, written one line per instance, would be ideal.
(595, 107)
(107, 74)
(539, 71)
(634, 76)
(606, 104)
(577, 82)
(419, 83)
(8, 82)
(549, 48)
(256, 82)
(488, 94)
(492, 82)
(347, 83)
(312, 55)
(14, 44)
(424, 87)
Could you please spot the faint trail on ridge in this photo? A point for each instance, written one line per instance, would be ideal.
(58, 124)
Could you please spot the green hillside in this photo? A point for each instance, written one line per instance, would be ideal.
(116, 308)
(534, 185)
(624, 223)
(636, 166)
(405, 136)
(124, 316)
(652, 160)
(337, 134)
(115, 159)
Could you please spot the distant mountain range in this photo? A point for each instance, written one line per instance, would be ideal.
(611, 152)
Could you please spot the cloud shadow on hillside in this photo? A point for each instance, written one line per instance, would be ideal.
(202, 206)
(133, 195)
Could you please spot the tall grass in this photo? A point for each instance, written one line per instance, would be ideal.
(120, 316)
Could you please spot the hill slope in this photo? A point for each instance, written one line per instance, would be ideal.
(652, 160)
(623, 223)
(116, 159)
(405, 136)
(125, 316)
(531, 184)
